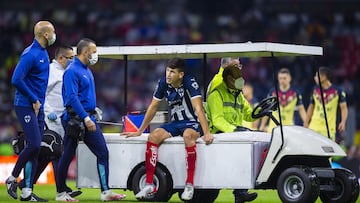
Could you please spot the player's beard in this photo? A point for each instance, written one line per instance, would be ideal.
(168, 80)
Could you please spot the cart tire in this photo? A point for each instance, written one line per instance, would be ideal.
(299, 185)
(346, 188)
(162, 181)
(203, 195)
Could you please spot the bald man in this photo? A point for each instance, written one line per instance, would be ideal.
(30, 79)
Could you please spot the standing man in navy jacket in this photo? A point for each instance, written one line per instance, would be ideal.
(80, 101)
(30, 79)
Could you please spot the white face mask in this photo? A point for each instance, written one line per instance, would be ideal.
(94, 58)
(239, 83)
(69, 61)
(52, 40)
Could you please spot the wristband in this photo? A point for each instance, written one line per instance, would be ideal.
(86, 119)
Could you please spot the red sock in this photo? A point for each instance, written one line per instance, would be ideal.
(191, 160)
(151, 156)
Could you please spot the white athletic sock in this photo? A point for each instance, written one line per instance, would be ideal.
(26, 192)
(105, 192)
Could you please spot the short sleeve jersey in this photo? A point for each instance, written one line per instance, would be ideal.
(288, 100)
(179, 99)
(333, 96)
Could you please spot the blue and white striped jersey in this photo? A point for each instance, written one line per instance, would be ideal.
(179, 99)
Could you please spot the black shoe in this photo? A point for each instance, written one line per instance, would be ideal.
(11, 188)
(33, 198)
(245, 197)
(74, 193)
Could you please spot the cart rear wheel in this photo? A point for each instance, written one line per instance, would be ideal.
(346, 188)
(162, 181)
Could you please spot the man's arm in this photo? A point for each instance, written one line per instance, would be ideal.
(199, 110)
(344, 115)
(149, 115)
(263, 123)
(247, 110)
(20, 73)
(302, 113)
(309, 114)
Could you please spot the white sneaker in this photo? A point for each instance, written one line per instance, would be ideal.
(149, 189)
(188, 192)
(65, 197)
(11, 186)
(109, 195)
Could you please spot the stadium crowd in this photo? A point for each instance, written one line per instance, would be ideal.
(144, 22)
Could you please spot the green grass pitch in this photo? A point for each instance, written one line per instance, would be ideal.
(93, 195)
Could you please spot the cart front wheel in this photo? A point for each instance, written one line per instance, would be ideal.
(299, 185)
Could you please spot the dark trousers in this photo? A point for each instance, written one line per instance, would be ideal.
(33, 127)
(42, 164)
(96, 143)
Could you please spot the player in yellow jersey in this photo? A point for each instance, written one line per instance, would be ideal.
(333, 97)
(289, 99)
(248, 92)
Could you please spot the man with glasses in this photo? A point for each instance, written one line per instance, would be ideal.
(54, 106)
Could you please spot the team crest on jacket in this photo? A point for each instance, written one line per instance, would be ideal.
(27, 118)
(180, 91)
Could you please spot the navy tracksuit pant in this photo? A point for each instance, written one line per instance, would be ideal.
(33, 127)
(96, 143)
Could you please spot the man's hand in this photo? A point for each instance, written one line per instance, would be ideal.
(263, 128)
(341, 126)
(36, 107)
(52, 116)
(131, 134)
(90, 125)
(208, 138)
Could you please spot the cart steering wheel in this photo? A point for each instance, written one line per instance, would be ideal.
(265, 108)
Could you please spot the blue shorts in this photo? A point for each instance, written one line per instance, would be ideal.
(177, 128)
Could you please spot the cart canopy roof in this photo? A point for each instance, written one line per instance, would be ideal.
(249, 49)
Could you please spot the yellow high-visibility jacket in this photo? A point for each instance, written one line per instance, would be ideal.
(217, 79)
(225, 110)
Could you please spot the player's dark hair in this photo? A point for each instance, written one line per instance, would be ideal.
(325, 71)
(83, 44)
(60, 50)
(285, 70)
(177, 63)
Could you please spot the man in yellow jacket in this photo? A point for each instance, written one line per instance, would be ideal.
(226, 108)
(217, 79)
